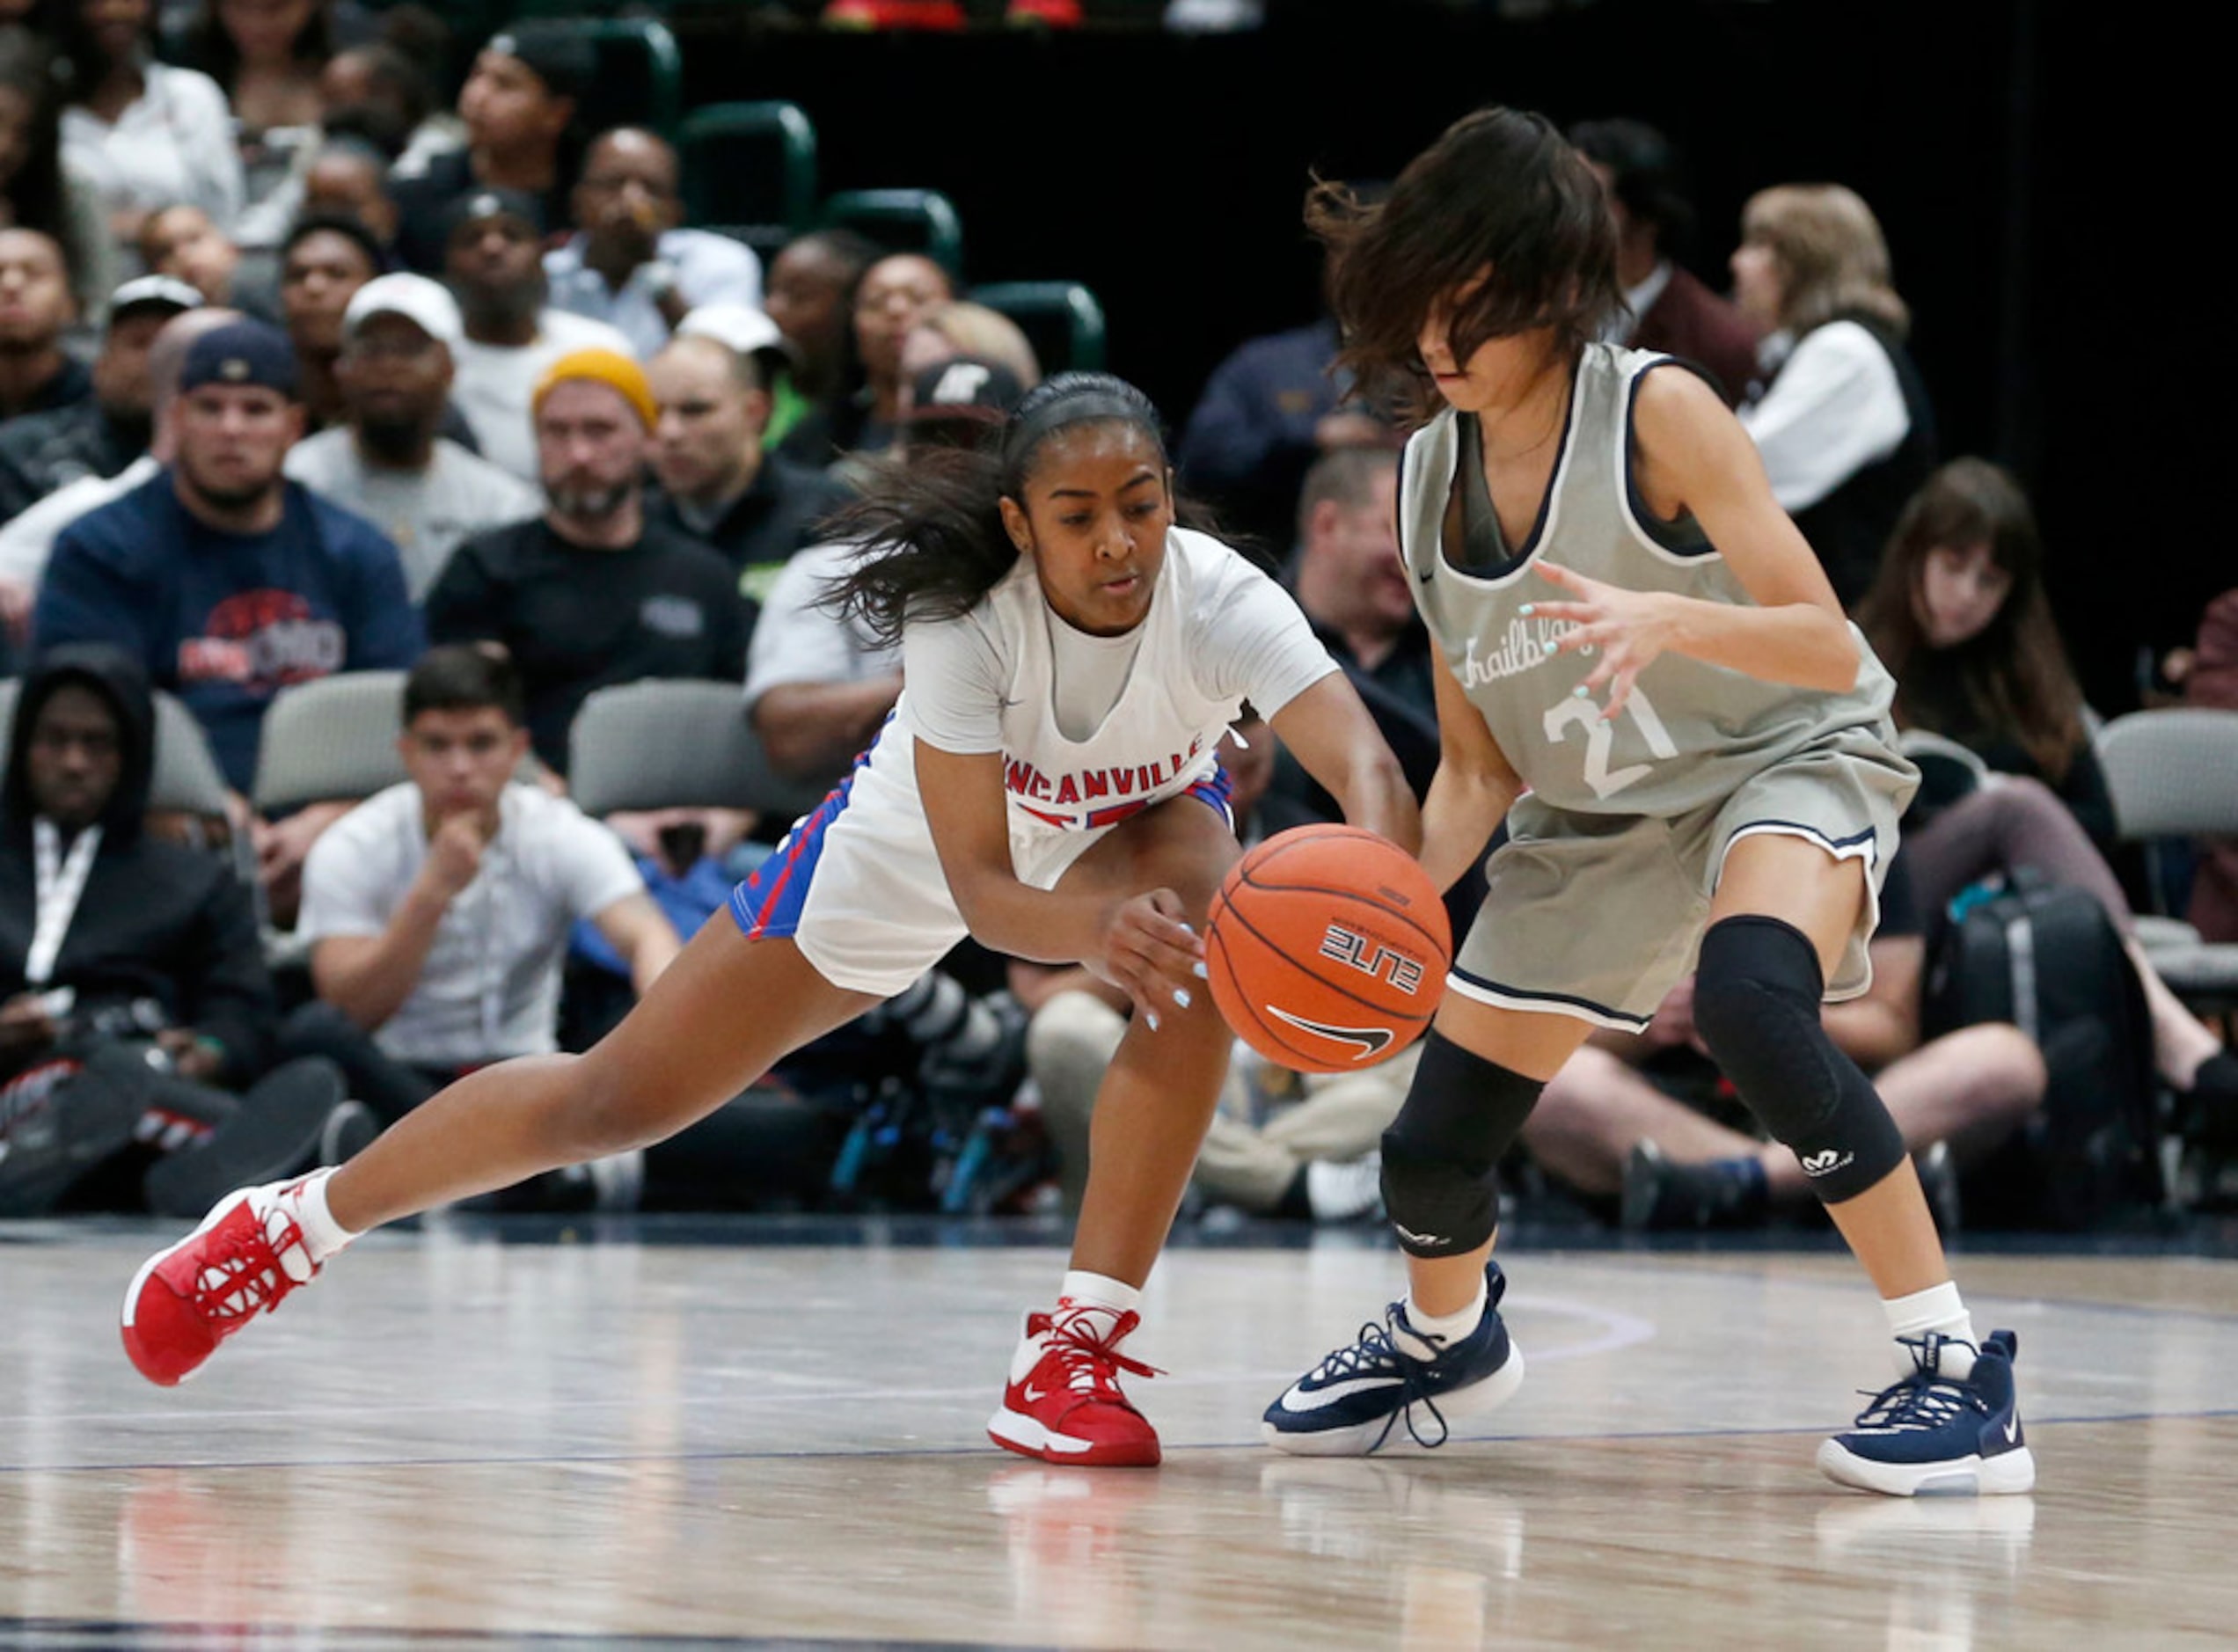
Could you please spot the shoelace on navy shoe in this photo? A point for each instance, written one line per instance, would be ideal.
(1922, 1402)
(1373, 1353)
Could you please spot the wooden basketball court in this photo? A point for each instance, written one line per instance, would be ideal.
(750, 1433)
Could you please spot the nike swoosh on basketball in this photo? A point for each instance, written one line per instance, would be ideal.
(1370, 1039)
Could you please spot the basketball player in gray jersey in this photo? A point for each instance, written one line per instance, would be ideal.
(1648, 675)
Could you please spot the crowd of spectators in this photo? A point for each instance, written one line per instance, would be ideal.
(304, 374)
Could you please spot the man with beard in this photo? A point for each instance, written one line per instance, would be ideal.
(591, 594)
(388, 461)
(494, 264)
(35, 305)
(227, 581)
(100, 435)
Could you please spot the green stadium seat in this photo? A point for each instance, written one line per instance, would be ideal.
(640, 75)
(903, 220)
(750, 172)
(1062, 320)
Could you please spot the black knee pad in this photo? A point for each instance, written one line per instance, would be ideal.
(1462, 1114)
(1757, 993)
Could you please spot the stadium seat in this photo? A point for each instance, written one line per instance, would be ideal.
(640, 75)
(333, 737)
(676, 743)
(902, 221)
(1062, 320)
(2174, 774)
(750, 172)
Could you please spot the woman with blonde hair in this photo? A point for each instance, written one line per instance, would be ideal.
(1843, 421)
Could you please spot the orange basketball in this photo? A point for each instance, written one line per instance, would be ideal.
(1328, 949)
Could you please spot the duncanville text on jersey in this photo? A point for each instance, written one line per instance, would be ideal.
(1131, 786)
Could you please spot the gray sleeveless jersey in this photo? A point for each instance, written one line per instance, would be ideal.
(1691, 733)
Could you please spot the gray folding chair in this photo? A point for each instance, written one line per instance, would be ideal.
(676, 743)
(2174, 774)
(333, 737)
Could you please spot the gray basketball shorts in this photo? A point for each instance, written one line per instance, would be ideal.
(1599, 916)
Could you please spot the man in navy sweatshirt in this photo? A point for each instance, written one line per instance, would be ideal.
(228, 581)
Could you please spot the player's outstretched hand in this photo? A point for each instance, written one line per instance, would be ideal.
(1150, 951)
(1629, 628)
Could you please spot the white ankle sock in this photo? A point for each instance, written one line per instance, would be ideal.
(1451, 1327)
(1099, 1290)
(323, 1236)
(1937, 1308)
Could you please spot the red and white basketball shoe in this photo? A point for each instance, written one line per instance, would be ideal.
(248, 1255)
(1064, 1404)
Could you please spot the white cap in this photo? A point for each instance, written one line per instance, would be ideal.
(743, 328)
(154, 289)
(426, 304)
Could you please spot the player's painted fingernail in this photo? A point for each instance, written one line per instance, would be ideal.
(1182, 996)
(1527, 609)
(1151, 1017)
(1200, 972)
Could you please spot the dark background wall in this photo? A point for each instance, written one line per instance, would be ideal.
(2038, 170)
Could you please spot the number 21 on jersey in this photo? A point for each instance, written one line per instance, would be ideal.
(1600, 738)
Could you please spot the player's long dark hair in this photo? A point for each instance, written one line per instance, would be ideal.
(932, 528)
(2015, 677)
(1501, 190)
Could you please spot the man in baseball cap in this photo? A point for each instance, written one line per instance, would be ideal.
(388, 459)
(100, 435)
(517, 105)
(590, 593)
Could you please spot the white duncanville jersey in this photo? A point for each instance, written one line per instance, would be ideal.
(1691, 732)
(1003, 678)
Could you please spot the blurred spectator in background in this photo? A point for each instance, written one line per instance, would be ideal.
(811, 297)
(895, 294)
(27, 541)
(1266, 413)
(182, 242)
(379, 89)
(495, 268)
(818, 685)
(387, 459)
(589, 593)
(629, 262)
(1665, 309)
(227, 581)
(323, 263)
(124, 1025)
(267, 55)
(349, 178)
(518, 105)
(438, 911)
(147, 135)
(39, 189)
(36, 306)
(40, 453)
(963, 328)
(1844, 425)
(2213, 681)
(716, 483)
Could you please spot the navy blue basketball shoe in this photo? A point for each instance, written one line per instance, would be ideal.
(1932, 1433)
(1348, 1404)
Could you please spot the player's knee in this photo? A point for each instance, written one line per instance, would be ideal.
(600, 1113)
(1757, 993)
(1462, 1114)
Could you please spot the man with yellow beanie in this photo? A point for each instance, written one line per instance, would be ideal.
(589, 593)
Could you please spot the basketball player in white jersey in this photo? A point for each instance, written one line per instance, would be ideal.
(1633, 632)
(1048, 782)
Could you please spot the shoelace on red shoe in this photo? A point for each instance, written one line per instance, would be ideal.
(1091, 1362)
(245, 1273)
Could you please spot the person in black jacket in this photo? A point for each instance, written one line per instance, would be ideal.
(133, 993)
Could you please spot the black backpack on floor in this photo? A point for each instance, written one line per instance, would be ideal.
(2046, 958)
